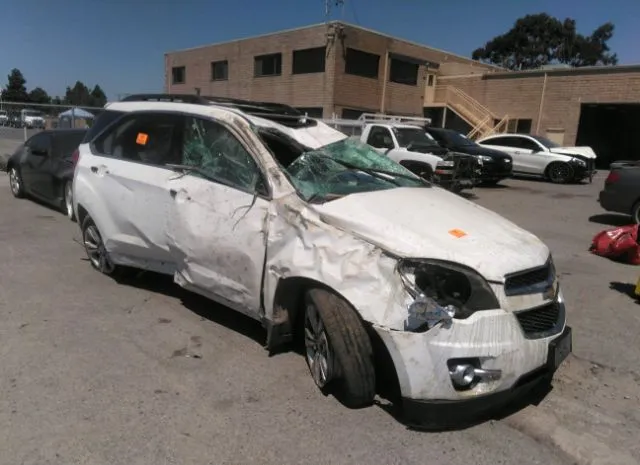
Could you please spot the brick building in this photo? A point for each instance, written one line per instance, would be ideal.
(325, 69)
(338, 69)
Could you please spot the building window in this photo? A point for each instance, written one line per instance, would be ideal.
(361, 63)
(312, 112)
(430, 80)
(178, 75)
(403, 72)
(310, 60)
(523, 126)
(268, 65)
(220, 70)
(350, 113)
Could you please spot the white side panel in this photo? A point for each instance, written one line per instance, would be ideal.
(216, 236)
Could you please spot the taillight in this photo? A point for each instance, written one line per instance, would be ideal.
(75, 156)
(614, 176)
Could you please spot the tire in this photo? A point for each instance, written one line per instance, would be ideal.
(15, 181)
(332, 326)
(94, 247)
(635, 213)
(67, 201)
(560, 172)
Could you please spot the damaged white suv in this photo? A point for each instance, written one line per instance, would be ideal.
(317, 235)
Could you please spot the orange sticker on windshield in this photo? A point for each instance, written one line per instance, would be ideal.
(142, 138)
(457, 233)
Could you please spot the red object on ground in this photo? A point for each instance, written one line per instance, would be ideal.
(618, 243)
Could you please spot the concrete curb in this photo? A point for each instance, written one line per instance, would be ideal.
(581, 448)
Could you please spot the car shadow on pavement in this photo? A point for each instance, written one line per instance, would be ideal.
(201, 306)
(627, 289)
(610, 219)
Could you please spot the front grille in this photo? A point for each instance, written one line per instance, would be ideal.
(541, 322)
(522, 283)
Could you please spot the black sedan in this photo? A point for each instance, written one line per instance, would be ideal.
(621, 193)
(43, 167)
(496, 165)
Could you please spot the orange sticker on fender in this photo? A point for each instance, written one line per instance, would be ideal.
(457, 233)
(142, 138)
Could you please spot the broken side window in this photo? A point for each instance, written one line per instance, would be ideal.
(215, 151)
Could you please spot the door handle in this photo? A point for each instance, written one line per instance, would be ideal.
(94, 169)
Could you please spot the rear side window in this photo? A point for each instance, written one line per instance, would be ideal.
(102, 121)
(65, 143)
(150, 138)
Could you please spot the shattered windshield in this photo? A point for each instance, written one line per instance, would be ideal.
(347, 167)
(413, 136)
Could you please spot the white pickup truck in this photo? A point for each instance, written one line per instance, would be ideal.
(404, 140)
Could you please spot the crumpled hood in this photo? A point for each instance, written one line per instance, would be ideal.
(428, 223)
(584, 151)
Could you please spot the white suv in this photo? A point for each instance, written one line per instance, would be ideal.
(316, 235)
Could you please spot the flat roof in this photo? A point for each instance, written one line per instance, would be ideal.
(631, 68)
(343, 23)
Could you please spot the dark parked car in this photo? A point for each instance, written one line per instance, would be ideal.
(621, 193)
(496, 165)
(43, 167)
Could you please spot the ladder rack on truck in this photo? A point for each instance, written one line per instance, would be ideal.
(354, 127)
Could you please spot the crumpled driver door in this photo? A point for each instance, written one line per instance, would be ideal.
(217, 222)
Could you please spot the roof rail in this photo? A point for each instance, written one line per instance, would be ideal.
(277, 112)
(180, 98)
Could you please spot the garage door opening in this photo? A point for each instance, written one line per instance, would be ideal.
(610, 129)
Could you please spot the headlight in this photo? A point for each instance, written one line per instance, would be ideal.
(485, 158)
(577, 161)
(442, 291)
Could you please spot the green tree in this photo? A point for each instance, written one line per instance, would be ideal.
(79, 95)
(15, 90)
(540, 39)
(39, 95)
(56, 100)
(98, 97)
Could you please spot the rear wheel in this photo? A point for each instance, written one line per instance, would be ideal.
(559, 172)
(68, 200)
(338, 350)
(15, 180)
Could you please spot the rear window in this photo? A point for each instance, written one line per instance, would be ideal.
(65, 144)
(101, 122)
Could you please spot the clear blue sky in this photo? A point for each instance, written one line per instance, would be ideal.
(120, 44)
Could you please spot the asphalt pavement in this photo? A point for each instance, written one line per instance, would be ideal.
(92, 371)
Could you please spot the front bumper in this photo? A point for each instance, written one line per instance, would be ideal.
(496, 170)
(452, 413)
(494, 337)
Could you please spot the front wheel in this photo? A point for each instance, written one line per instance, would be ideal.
(560, 173)
(338, 350)
(68, 201)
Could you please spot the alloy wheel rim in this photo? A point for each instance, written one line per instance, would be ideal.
(559, 172)
(68, 192)
(96, 251)
(318, 350)
(14, 181)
